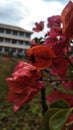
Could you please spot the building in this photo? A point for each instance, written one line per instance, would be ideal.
(14, 40)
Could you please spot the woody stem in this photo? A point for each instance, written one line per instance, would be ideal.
(43, 100)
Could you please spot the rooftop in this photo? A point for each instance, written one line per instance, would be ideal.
(6, 26)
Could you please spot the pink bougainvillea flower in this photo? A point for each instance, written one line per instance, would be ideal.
(40, 56)
(55, 39)
(55, 32)
(61, 46)
(24, 84)
(59, 67)
(68, 85)
(50, 41)
(57, 95)
(54, 21)
(39, 26)
(59, 64)
(67, 19)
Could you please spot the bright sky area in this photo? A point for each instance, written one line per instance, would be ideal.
(25, 13)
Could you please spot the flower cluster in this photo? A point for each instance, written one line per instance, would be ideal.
(24, 84)
(52, 53)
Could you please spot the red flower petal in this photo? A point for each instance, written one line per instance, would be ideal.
(57, 95)
(67, 19)
(39, 26)
(54, 21)
(68, 85)
(59, 67)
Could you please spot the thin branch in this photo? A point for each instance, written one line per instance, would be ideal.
(58, 80)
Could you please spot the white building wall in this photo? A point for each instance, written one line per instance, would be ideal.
(16, 45)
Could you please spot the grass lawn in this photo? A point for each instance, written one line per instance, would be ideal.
(29, 116)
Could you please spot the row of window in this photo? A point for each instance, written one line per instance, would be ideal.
(7, 40)
(13, 32)
(7, 49)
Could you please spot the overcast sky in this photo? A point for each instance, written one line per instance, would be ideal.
(25, 13)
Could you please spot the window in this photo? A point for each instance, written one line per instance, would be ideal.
(15, 32)
(13, 50)
(21, 42)
(6, 49)
(1, 30)
(20, 50)
(1, 39)
(27, 35)
(7, 40)
(8, 31)
(21, 33)
(14, 41)
(27, 43)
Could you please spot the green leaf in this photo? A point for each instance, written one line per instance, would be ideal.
(45, 120)
(58, 120)
(59, 104)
